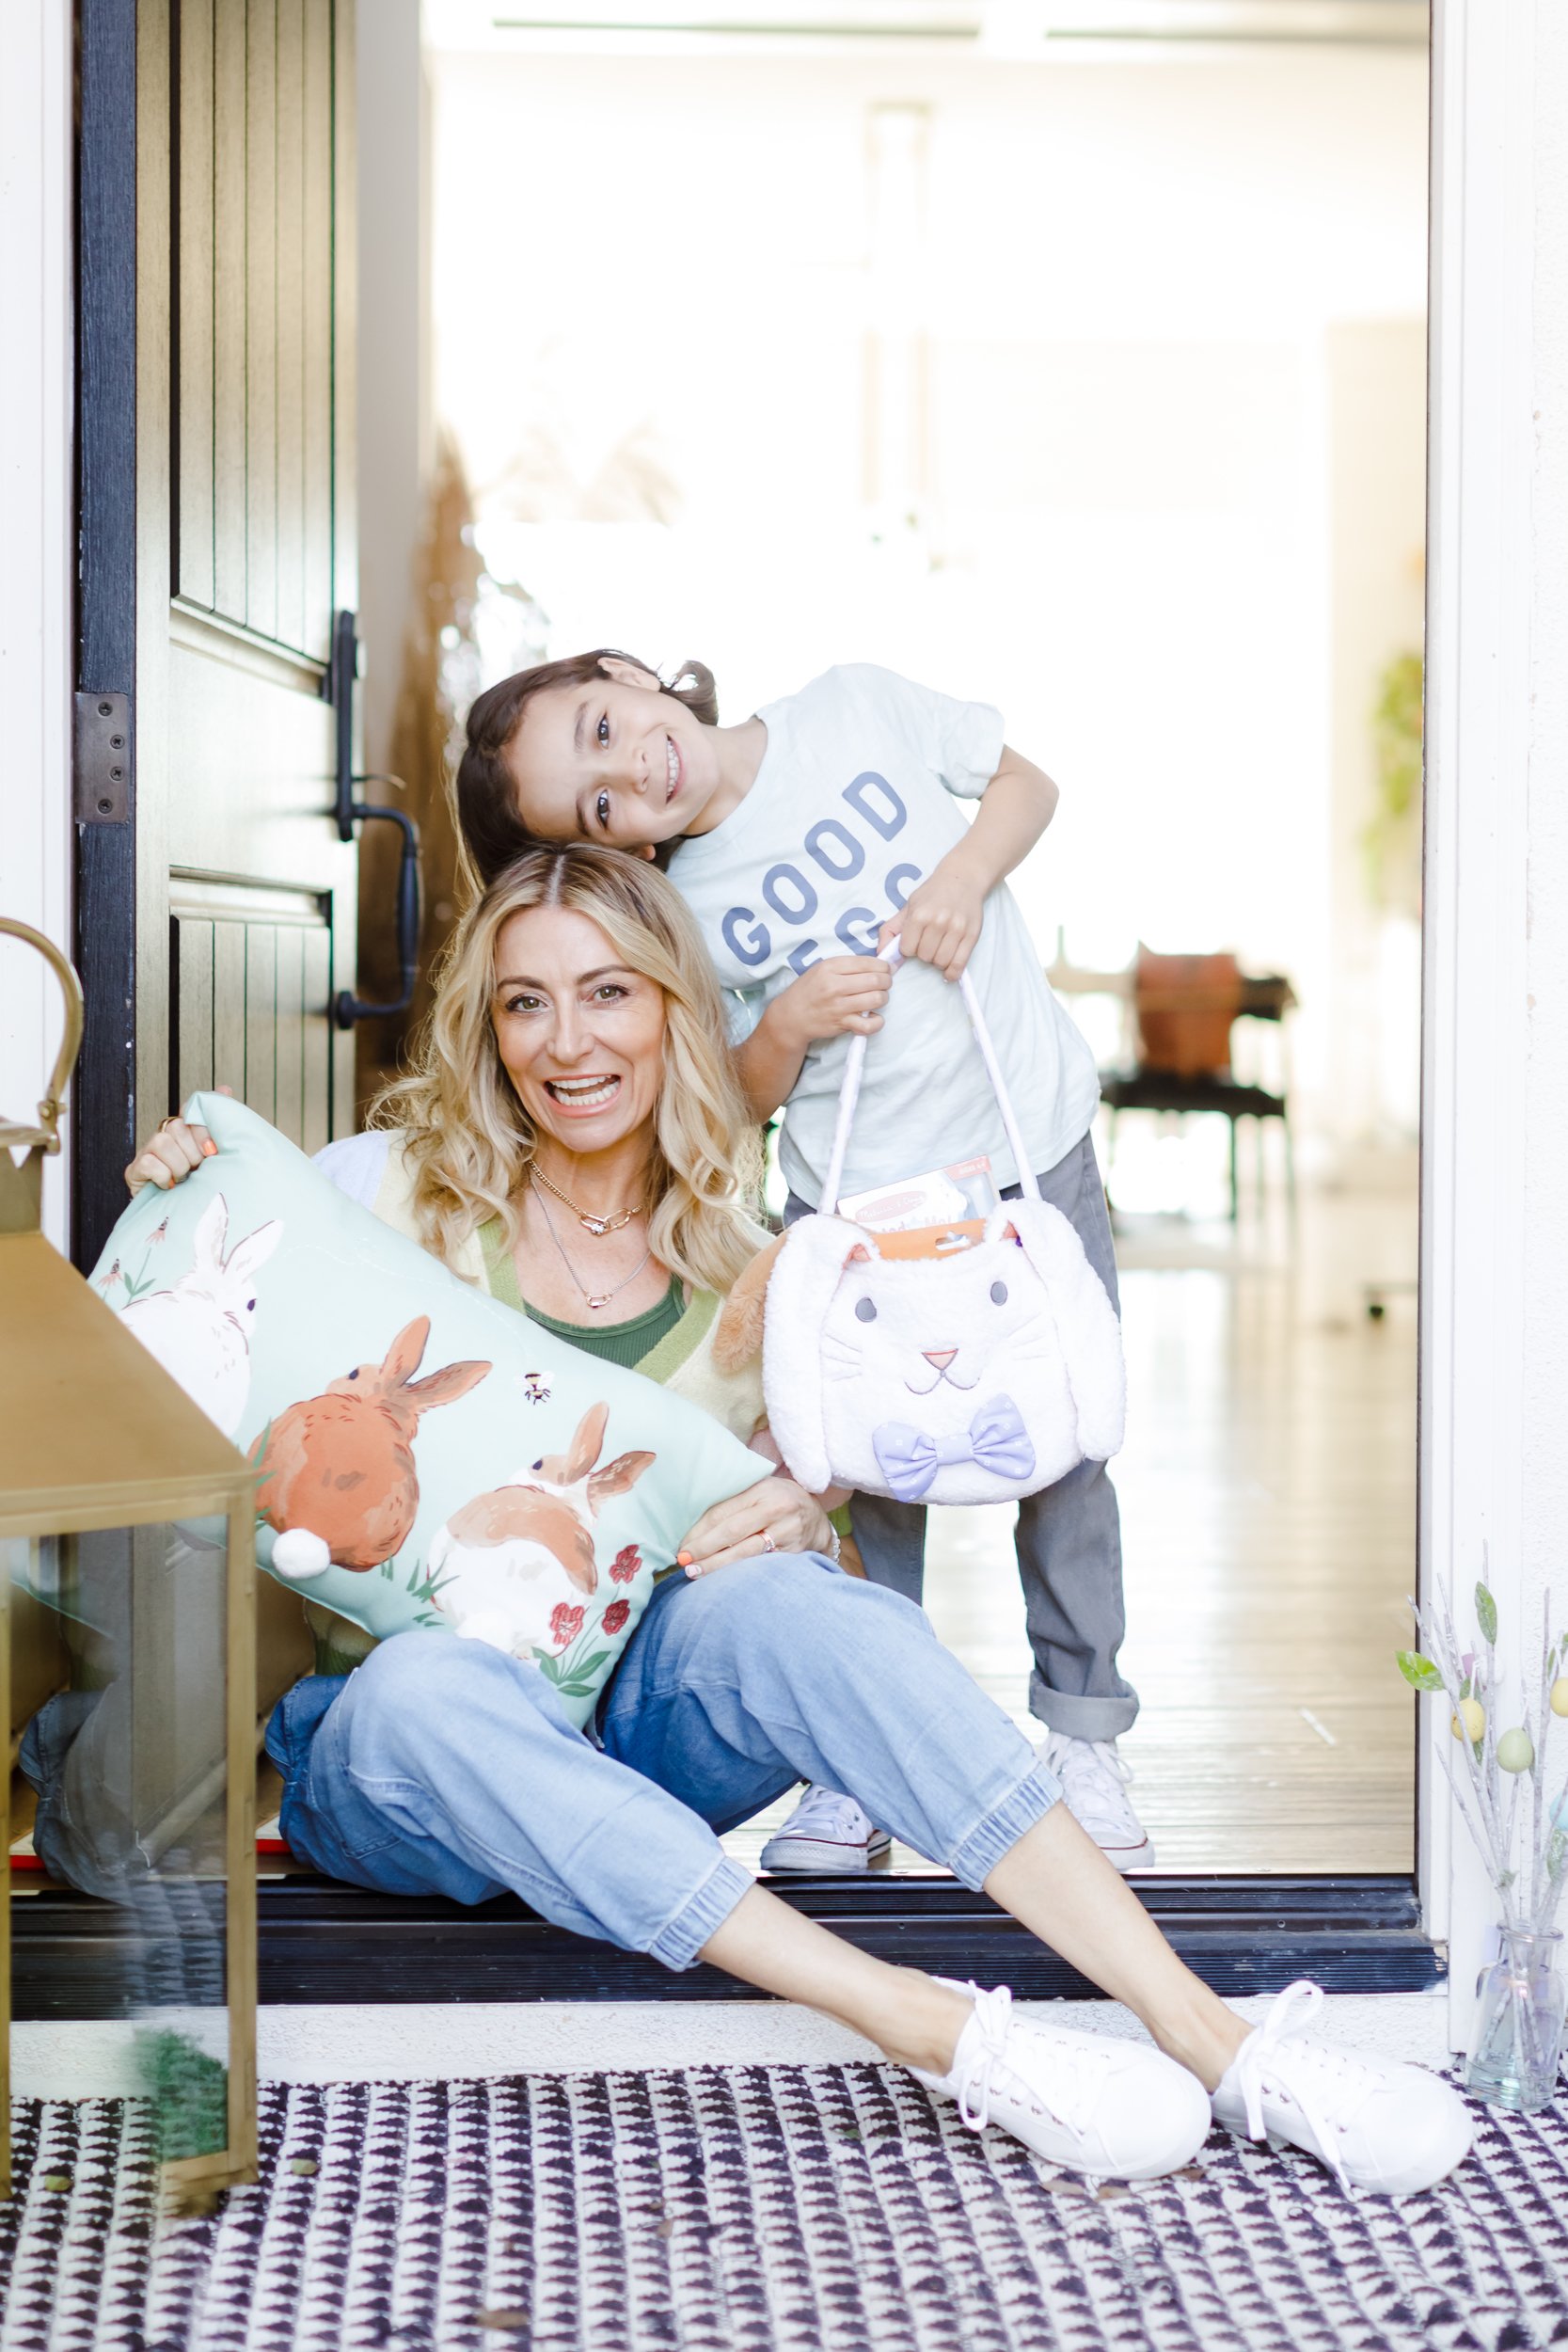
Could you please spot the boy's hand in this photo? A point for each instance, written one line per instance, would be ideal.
(940, 921)
(842, 995)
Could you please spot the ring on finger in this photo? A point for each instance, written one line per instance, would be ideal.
(171, 1121)
(767, 1543)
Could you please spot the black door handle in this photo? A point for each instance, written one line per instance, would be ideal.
(342, 673)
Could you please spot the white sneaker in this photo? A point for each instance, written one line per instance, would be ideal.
(826, 1831)
(1116, 2108)
(1376, 2122)
(1094, 1782)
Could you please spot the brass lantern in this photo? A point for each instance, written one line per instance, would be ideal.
(126, 1571)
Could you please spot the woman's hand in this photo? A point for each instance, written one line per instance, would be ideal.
(169, 1156)
(737, 1530)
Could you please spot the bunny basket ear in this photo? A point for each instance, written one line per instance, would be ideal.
(804, 1276)
(738, 1333)
(1086, 1324)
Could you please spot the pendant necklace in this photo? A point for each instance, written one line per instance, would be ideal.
(596, 1225)
(605, 1297)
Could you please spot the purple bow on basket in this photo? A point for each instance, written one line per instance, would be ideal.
(995, 1438)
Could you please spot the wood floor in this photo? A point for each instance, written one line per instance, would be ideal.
(1268, 1492)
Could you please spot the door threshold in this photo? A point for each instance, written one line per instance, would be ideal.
(326, 1942)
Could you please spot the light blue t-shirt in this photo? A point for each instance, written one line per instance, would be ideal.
(854, 805)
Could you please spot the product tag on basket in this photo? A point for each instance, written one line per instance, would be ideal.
(939, 1196)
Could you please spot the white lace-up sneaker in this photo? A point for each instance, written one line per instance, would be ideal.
(826, 1831)
(1376, 2122)
(1094, 1782)
(1116, 2108)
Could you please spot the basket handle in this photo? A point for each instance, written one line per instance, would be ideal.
(850, 1089)
(45, 1136)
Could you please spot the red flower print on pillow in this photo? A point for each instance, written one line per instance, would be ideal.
(626, 1564)
(615, 1616)
(566, 1623)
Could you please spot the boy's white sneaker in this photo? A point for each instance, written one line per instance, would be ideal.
(1094, 1786)
(1376, 2123)
(1116, 2108)
(826, 1831)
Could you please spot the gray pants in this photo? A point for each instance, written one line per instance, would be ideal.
(1068, 1536)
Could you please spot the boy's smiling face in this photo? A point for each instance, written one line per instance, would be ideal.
(615, 762)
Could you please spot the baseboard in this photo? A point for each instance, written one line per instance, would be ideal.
(433, 2042)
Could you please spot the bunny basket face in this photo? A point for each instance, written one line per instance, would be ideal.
(972, 1377)
(962, 1365)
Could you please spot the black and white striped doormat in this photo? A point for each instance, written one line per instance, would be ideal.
(753, 2209)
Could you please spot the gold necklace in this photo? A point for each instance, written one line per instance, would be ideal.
(596, 1225)
(605, 1297)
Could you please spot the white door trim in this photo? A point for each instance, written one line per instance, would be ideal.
(1474, 1043)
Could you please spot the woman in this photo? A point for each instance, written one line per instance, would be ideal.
(572, 1129)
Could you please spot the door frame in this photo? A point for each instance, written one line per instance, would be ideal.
(1482, 585)
(125, 348)
(1481, 580)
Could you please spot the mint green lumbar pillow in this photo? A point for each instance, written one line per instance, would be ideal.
(427, 1456)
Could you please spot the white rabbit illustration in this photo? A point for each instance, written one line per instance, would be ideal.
(514, 1565)
(199, 1328)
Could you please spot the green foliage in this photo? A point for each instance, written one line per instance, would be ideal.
(1391, 841)
(1418, 1671)
(1486, 1615)
(189, 2092)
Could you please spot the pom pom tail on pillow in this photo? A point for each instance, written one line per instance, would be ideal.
(427, 1456)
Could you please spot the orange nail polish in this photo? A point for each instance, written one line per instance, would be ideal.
(209, 1150)
(683, 1559)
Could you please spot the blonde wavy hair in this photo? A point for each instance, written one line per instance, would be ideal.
(468, 1140)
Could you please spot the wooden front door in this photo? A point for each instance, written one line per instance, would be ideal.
(216, 900)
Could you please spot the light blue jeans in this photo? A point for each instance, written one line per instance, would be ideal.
(444, 1767)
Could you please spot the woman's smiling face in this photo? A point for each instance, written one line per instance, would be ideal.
(581, 1035)
(615, 762)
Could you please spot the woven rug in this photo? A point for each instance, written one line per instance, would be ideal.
(739, 2209)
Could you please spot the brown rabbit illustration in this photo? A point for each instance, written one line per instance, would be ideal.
(508, 1560)
(341, 1482)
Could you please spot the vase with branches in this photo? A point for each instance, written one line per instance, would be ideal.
(1500, 1778)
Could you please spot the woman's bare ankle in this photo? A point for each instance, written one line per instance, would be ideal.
(1204, 2043)
(921, 2026)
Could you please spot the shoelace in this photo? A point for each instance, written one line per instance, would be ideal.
(829, 1812)
(1313, 2074)
(1093, 1773)
(986, 2069)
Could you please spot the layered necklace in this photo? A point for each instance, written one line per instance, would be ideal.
(594, 1225)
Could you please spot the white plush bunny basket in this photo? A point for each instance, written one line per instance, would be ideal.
(963, 1363)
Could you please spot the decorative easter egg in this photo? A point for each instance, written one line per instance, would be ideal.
(1560, 1695)
(1516, 1751)
(1471, 1721)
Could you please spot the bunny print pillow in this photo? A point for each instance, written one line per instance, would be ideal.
(427, 1456)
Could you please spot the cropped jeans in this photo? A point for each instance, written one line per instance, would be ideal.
(443, 1766)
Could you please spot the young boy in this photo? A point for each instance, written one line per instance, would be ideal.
(802, 839)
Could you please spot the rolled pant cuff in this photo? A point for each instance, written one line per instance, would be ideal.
(1081, 1717)
(1002, 1828)
(681, 1939)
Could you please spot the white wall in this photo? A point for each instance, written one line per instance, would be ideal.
(709, 329)
(35, 547)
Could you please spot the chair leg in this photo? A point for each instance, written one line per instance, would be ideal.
(1234, 1197)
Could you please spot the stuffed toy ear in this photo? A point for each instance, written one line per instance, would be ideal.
(738, 1336)
(811, 1258)
(1085, 1324)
